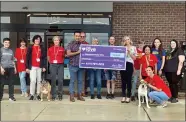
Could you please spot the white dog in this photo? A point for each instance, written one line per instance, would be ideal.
(142, 92)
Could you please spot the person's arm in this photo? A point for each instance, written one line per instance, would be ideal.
(180, 64)
(140, 76)
(69, 53)
(133, 56)
(154, 88)
(162, 65)
(156, 68)
(28, 55)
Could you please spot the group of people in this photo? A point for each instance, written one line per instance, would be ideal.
(142, 62)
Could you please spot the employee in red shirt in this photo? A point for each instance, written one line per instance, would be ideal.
(161, 91)
(20, 55)
(35, 65)
(147, 60)
(136, 72)
(56, 55)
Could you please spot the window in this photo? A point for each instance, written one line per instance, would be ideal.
(4, 35)
(54, 20)
(98, 21)
(5, 19)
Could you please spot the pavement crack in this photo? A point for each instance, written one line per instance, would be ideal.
(41, 112)
(147, 114)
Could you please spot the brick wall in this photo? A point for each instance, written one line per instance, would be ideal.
(147, 20)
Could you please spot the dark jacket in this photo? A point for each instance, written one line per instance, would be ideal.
(43, 58)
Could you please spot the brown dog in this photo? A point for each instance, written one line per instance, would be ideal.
(45, 90)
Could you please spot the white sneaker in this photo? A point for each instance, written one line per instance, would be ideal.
(163, 105)
(22, 94)
(26, 94)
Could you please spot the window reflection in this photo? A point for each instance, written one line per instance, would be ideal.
(5, 19)
(54, 20)
(99, 21)
(4, 35)
(102, 37)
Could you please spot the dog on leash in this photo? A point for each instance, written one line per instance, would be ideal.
(142, 93)
(45, 90)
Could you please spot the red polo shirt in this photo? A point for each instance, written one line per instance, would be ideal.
(159, 83)
(56, 54)
(20, 55)
(36, 54)
(152, 61)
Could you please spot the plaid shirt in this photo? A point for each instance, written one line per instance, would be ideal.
(74, 47)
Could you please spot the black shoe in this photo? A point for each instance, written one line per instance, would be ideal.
(108, 96)
(38, 97)
(60, 97)
(53, 98)
(99, 96)
(132, 98)
(112, 96)
(170, 99)
(12, 99)
(92, 97)
(174, 100)
(86, 94)
(31, 98)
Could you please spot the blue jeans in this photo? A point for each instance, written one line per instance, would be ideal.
(159, 97)
(75, 71)
(22, 76)
(134, 81)
(95, 73)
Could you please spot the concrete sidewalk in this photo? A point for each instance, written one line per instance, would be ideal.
(90, 110)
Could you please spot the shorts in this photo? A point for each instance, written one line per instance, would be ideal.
(110, 75)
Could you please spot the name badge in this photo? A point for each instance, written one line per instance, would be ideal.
(55, 61)
(38, 60)
(22, 61)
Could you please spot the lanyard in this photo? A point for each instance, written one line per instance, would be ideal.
(37, 51)
(147, 61)
(55, 53)
(22, 53)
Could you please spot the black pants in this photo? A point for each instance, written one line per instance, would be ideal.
(173, 80)
(7, 78)
(56, 71)
(126, 79)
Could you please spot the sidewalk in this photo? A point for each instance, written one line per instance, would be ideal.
(90, 110)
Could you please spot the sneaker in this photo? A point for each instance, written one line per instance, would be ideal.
(132, 98)
(38, 97)
(163, 105)
(26, 94)
(99, 96)
(12, 99)
(108, 96)
(112, 96)
(22, 94)
(174, 100)
(32, 97)
(92, 96)
(170, 99)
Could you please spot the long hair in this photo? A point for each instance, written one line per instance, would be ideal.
(175, 50)
(160, 48)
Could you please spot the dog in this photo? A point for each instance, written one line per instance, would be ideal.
(142, 92)
(45, 90)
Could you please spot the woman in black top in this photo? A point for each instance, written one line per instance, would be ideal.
(173, 66)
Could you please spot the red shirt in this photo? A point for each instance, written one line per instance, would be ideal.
(137, 61)
(36, 54)
(20, 55)
(56, 54)
(84, 42)
(147, 61)
(159, 83)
